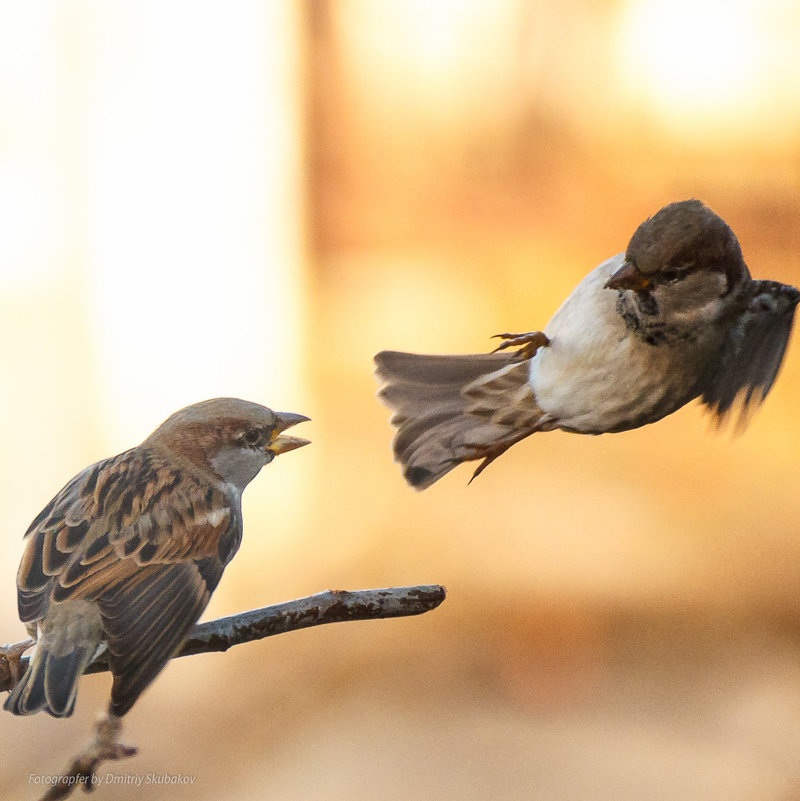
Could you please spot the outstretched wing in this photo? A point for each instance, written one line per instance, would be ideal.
(753, 351)
(147, 541)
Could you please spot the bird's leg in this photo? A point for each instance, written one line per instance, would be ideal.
(12, 656)
(527, 343)
(490, 452)
(104, 747)
(105, 743)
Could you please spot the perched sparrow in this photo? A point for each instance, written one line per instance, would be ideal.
(130, 550)
(674, 317)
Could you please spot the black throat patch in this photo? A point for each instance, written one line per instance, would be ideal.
(640, 312)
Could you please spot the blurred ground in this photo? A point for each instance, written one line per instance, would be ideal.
(314, 184)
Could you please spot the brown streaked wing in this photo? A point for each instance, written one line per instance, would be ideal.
(146, 617)
(130, 510)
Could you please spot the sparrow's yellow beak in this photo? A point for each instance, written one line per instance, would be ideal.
(629, 276)
(281, 444)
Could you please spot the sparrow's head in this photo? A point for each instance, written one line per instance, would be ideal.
(683, 258)
(231, 438)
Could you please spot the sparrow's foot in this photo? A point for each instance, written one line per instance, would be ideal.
(488, 453)
(11, 662)
(104, 747)
(528, 343)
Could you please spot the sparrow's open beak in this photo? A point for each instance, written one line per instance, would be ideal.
(629, 276)
(279, 443)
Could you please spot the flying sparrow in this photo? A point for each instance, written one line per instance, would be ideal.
(128, 553)
(675, 317)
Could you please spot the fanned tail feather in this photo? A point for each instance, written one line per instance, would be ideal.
(50, 683)
(453, 409)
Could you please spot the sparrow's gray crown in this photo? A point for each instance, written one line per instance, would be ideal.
(683, 236)
(232, 437)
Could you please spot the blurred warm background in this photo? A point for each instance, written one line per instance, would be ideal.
(252, 198)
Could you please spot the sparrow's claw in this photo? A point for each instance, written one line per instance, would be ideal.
(12, 656)
(488, 453)
(528, 343)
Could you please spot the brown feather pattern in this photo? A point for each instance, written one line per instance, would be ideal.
(118, 518)
(126, 533)
(452, 409)
(130, 550)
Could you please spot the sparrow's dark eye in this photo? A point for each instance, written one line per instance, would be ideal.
(678, 270)
(252, 436)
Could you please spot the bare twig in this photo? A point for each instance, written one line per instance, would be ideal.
(331, 606)
(105, 747)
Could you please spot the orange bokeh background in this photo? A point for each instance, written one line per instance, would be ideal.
(251, 199)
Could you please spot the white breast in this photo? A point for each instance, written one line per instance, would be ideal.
(596, 375)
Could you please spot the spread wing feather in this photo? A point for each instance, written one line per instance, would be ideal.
(753, 351)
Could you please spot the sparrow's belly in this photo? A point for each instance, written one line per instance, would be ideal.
(597, 376)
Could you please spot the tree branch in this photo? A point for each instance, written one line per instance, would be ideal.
(331, 606)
